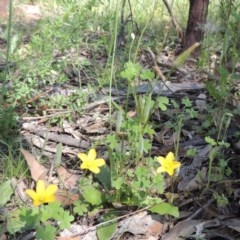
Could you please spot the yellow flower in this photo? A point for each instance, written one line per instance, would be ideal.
(90, 162)
(42, 194)
(168, 164)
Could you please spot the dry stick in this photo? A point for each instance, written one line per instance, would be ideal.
(94, 228)
(156, 69)
(47, 116)
(174, 21)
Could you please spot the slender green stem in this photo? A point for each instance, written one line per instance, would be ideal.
(8, 38)
(178, 136)
(211, 158)
(113, 60)
(112, 74)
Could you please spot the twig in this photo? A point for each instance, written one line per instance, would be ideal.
(46, 116)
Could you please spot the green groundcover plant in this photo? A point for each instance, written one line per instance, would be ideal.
(99, 187)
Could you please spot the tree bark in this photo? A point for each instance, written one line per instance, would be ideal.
(195, 27)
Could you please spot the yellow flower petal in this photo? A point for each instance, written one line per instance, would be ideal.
(90, 162)
(84, 165)
(170, 171)
(176, 164)
(94, 169)
(170, 157)
(161, 169)
(36, 203)
(92, 154)
(51, 189)
(168, 164)
(100, 162)
(42, 194)
(83, 157)
(32, 194)
(40, 189)
(50, 198)
(161, 160)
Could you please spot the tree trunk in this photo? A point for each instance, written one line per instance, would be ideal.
(195, 27)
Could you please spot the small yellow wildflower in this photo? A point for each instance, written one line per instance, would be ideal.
(42, 194)
(90, 162)
(168, 164)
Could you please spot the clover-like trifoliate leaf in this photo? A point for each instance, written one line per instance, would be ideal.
(80, 208)
(92, 195)
(46, 232)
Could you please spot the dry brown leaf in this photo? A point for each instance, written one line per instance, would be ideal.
(140, 224)
(38, 172)
(96, 128)
(155, 229)
(69, 180)
(131, 114)
(65, 197)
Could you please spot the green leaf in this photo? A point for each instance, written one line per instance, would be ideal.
(104, 177)
(162, 102)
(140, 146)
(147, 74)
(141, 172)
(117, 183)
(147, 110)
(149, 201)
(214, 91)
(46, 232)
(165, 208)
(119, 121)
(92, 195)
(55, 210)
(30, 217)
(186, 102)
(2, 229)
(105, 232)
(14, 223)
(192, 113)
(112, 140)
(6, 192)
(52, 210)
(64, 220)
(80, 208)
(175, 104)
(192, 152)
(147, 145)
(224, 144)
(158, 183)
(131, 71)
(210, 141)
